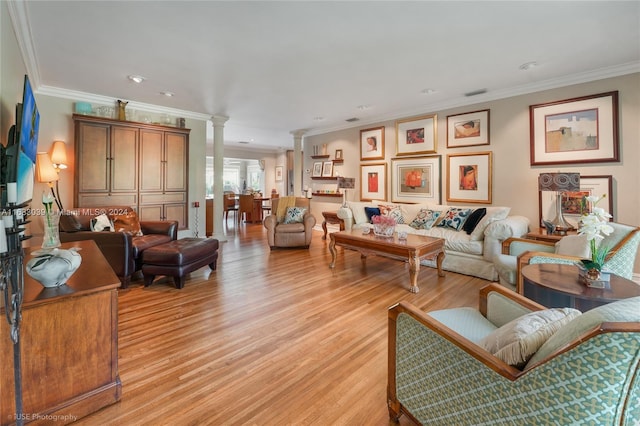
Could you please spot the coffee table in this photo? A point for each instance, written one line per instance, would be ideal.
(557, 286)
(413, 250)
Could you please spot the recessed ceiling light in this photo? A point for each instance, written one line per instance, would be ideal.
(427, 91)
(137, 78)
(528, 65)
(167, 94)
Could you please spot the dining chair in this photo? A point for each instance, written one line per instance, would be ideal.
(245, 207)
(230, 204)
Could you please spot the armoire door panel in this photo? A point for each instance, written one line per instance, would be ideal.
(124, 152)
(92, 162)
(151, 157)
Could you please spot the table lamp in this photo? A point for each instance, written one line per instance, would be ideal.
(58, 157)
(560, 183)
(344, 184)
(46, 173)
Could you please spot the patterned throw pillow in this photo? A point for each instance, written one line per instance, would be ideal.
(294, 215)
(101, 223)
(128, 223)
(454, 218)
(425, 219)
(391, 211)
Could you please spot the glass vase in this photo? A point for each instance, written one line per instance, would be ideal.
(51, 222)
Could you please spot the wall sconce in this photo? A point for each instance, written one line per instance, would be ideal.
(560, 183)
(46, 173)
(58, 156)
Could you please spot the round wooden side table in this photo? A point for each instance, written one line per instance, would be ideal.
(557, 286)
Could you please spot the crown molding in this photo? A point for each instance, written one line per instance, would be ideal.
(585, 77)
(20, 21)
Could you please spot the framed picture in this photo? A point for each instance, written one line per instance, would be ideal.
(327, 169)
(317, 169)
(372, 144)
(469, 177)
(573, 205)
(415, 180)
(338, 154)
(578, 130)
(279, 173)
(469, 129)
(373, 182)
(417, 135)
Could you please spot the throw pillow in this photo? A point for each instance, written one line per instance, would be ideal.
(101, 223)
(391, 211)
(516, 341)
(425, 219)
(127, 222)
(574, 245)
(454, 218)
(294, 215)
(370, 212)
(69, 223)
(473, 220)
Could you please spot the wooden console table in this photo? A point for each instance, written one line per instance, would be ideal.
(69, 344)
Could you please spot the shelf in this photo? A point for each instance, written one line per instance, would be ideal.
(318, 194)
(319, 156)
(324, 177)
(338, 161)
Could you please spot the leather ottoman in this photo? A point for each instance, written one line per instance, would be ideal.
(178, 258)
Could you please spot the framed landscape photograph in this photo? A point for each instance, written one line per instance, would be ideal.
(279, 173)
(469, 129)
(373, 182)
(372, 144)
(417, 135)
(327, 169)
(469, 177)
(415, 180)
(317, 169)
(572, 202)
(573, 131)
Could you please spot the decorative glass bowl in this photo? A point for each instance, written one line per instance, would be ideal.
(383, 229)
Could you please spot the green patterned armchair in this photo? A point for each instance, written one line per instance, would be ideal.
(587, 372)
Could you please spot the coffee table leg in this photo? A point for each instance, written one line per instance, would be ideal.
(332, 249)
(414, 268)
(439, 261)
(324, 228)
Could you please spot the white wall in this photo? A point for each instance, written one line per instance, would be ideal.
(514, 179)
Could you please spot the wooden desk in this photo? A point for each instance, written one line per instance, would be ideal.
(557, 286)
(69, 344)
(331, 217)
(411, 250)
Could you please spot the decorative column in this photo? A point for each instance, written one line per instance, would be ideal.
(218, 167)
(297, 161)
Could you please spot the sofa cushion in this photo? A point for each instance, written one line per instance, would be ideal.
(454, 218)
(69, 223)
(392, 211)
(370, 212)
(474, 218)
(127, 222)
(626, 310)
(357, 208)
(516, 341)
(493, 214)
(574, 245)
(143, 242)
(468, 322)
(425, 219)
(294, 215)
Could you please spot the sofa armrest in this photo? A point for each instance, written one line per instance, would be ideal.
(346, 215)
(496, 232)
(117, 248)
(164, 227)
(501, 305)
(309, 221)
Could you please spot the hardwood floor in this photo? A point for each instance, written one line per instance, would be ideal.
(270, 338)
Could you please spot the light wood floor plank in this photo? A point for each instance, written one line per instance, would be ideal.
(270, 338)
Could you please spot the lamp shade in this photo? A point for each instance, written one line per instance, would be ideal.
(346, 183)
(59, 154)
(561, 182)
(44, 168)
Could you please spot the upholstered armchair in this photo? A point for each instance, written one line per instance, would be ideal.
(586, 372)
(517, 253)
(285, 226)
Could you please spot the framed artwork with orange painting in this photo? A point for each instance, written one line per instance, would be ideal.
(469, 129)
(416, 179)
(469, 177)
(417, 135)
(373, 182)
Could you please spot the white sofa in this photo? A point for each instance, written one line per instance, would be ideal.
(469, 254)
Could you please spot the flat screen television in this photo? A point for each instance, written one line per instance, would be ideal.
(27, 126)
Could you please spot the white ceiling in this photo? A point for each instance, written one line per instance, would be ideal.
(275, 67)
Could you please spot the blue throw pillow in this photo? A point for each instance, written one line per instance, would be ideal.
(454, 218)
(294, 215)
(425, 219)
(370, 212)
